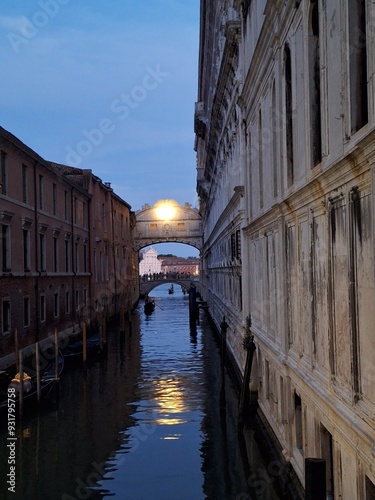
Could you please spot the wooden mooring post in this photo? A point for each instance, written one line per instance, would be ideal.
(37, 362)
(21, 384)
(223, 335)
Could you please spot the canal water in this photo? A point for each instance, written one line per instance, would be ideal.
(146, 423)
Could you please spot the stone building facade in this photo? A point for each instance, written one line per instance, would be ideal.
(149, 264)
(285, 143)
(49, 219)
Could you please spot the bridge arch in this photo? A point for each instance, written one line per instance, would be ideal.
(167, 222)
(146, 287)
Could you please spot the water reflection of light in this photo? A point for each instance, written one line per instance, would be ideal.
(171, 437)
(170, 400)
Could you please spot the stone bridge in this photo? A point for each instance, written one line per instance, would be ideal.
(147, 284)
(167, 222)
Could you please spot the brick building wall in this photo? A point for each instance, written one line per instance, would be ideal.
(50, 226)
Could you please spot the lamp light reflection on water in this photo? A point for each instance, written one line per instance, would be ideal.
(171, 403)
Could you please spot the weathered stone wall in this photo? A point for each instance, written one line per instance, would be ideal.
(286, 108)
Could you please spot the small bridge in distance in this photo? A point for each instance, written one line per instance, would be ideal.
(148, 283)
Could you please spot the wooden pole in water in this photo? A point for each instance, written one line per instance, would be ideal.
(84, 340)
(16, 350)
(223, 334)
(37, 370)
(57, 385)
(21, 383)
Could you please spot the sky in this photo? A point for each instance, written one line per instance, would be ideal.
(109, 86)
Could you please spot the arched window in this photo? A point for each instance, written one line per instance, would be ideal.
(314, 83)
(289, 115)
(358, 64)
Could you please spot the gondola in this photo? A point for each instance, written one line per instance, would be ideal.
(48, 381)
(149, 307)
(171, 289)
(73, 353)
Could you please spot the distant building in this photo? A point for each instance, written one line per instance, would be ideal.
(150, 264)
(180, 265)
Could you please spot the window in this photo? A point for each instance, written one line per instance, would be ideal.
(54, 199)
(67, 256)
(101, 266)
(26, 249)
(106, 261)
(326, 444)
(76, 257)
(26, 311)
(55, 255)
(314, 84)
(84, 297)
(85, 215)
(77, 300)
(358, 64)
(67, 302)
(298, 421)
(103, 218)
(24, 184)
(41, 192)
(84, 258)
(66, 205)
(260, 158)
(5, 248)
(95, 267)
(238, 244)
(233, 246)
(122, 225)
(289, 115)
(42, 308)
(370, 489)
(274, 139)
(42, 250)
(3, 179)
(56, 305)
(266, 379)
(5, 320)
(75, 209)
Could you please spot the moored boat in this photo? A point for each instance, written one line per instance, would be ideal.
(49, 377)
(73, 353)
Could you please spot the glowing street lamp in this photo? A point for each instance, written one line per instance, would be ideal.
(165, 210)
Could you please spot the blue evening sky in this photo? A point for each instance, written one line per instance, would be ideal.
(106, 85)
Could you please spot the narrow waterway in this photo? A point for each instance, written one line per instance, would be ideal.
(144, 424)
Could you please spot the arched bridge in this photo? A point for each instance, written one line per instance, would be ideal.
(167, 222)
(148, 283)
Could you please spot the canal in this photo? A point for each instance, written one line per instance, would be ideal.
(146, 423)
